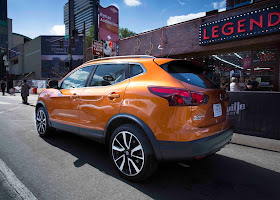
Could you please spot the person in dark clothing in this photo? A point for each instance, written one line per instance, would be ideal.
(48, 83)
(252, 84)
(24, 91)
(3, 87)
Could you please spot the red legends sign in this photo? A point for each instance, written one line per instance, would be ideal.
(258, 22)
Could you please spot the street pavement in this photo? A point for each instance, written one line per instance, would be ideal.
(67, 166)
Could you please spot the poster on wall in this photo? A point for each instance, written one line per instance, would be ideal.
(109, 23)
(54, 56)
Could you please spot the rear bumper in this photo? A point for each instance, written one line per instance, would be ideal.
(179, 151)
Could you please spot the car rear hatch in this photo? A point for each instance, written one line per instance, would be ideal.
(190, 74)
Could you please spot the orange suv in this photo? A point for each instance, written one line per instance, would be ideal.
(145, 109)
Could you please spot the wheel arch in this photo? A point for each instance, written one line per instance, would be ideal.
(124, 118)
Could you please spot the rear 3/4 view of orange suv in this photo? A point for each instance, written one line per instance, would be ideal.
(145, 109)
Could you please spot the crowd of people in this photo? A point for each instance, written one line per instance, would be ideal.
(241, 84)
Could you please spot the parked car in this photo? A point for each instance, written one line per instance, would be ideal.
(145, 109)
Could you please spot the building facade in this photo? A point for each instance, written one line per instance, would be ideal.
(44, 57)
(3, 35)
(237, 42)
(81, 11)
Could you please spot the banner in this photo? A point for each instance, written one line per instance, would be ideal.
(54, 56)
(109, 23)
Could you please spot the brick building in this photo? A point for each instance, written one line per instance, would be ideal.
(238, 42)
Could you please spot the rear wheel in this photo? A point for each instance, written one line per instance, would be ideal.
(132, 153)
(42, 123)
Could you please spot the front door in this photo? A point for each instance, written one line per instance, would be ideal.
(103, 97)
(65, 103)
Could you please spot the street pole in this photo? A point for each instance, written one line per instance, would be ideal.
(84, 43)
(95, 22)
(69, 38)
(7, 67)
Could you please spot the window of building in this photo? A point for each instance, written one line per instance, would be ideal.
(262, 64)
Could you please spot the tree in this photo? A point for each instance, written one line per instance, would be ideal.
(89, 37)
(124, 32)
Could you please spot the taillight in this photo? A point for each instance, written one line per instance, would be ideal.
(179, 97)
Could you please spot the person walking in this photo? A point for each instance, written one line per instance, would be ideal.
(24, 91)
(3, 87)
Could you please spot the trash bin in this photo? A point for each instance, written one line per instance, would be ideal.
(34, 90)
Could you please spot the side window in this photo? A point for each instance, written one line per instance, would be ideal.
(77, 79)
(135, 70)
(108, 74)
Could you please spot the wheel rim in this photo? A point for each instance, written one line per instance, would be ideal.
(41, 122)
(128, 153)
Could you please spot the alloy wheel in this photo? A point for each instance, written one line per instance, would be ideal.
(128, 153)
(41, 122)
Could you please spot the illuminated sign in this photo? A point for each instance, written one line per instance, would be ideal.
(258, 22)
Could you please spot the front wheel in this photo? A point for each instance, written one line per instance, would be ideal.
(132, 153)
(42, 124)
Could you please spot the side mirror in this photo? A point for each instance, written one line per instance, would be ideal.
(108, 78)
(54, 84)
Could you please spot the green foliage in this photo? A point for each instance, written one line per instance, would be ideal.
(124, 32)
(90, 37)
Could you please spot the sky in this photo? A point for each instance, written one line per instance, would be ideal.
(45, 17)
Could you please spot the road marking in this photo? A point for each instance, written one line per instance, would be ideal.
(8, 110)
(22, 191)
(2, 102)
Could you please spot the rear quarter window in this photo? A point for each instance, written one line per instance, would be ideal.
(188, 72)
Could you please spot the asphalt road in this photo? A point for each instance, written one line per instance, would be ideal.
(67, 166)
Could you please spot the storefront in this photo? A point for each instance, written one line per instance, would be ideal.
(237, 43)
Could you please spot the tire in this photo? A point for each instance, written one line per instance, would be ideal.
(42, 123)
(133, 159)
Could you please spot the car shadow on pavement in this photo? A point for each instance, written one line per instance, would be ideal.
(215, 177)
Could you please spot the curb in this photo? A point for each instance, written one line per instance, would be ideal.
(256, 142)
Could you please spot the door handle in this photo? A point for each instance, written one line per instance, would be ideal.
(74, 96)
(113, 95)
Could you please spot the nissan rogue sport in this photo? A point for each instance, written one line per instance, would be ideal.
(145, 110)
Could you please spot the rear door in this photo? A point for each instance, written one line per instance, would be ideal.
(103, 97)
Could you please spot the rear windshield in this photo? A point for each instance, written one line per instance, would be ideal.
(189, 72)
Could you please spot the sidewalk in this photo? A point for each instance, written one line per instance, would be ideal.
(246, 140)
(256, 142)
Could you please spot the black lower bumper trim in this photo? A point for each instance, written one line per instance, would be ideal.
(179, 151)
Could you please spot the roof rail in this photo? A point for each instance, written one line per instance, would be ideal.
(121, 57)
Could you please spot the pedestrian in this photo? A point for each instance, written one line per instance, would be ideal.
(48, 83)
(252, 84)
(242, 83)
(234, 86)
(3, 87)
(24, 91)
(224, 84)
